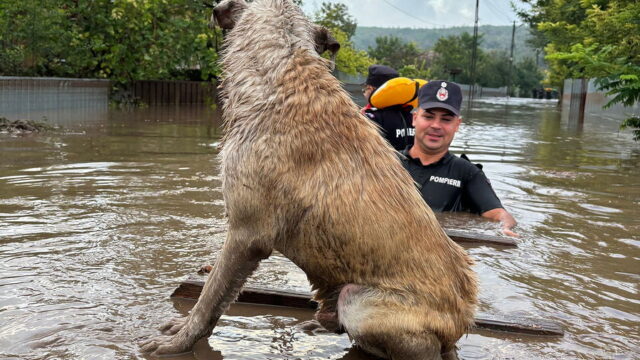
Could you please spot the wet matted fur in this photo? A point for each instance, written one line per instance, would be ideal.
(304, 173)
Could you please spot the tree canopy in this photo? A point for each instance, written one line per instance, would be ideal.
(336, 16)
(591, 39)
(128, 40)
(122, 40)
(392, 51)
(450, 58)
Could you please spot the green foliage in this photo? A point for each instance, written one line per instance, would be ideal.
(619, 77)
(336, 16)
(586, 38)
(29, 36)
(591, 39)
(493, 69)
(349, 60)
(122, 40)
(450, 58)
(494, 37)
(416, 71)
(527, 76)
(625, 88)
(632, 122)
(453, 53)
(392, 51)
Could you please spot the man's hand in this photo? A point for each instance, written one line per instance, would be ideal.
(501, 215)
(508, 232)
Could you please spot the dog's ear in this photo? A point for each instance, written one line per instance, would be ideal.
(324, 41)
(227, 13)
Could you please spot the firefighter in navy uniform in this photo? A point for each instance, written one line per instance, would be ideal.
(448, 182)
(395, 121)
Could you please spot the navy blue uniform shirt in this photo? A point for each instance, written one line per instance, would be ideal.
(452, 184)
(396, 125)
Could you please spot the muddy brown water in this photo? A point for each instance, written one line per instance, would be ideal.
(99, 222)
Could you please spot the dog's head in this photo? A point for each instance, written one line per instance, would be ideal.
(228, 13)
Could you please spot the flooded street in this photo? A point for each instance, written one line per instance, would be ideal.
(101, 220)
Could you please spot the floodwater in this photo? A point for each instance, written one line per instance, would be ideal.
(100, 221)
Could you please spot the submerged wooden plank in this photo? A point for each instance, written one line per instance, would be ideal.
(190, 289)
(521, 325)
(460, 236)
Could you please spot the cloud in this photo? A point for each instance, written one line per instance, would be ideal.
(439, 7)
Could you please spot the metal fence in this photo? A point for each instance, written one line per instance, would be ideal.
(154, 92)
(60, 100)
(68, 100)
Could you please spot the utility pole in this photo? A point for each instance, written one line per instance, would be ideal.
(474, 54)
(513, 44)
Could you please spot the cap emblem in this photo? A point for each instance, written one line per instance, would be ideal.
(443, 84)
(442, 94)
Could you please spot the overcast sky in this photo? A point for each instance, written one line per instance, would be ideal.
(423, 13)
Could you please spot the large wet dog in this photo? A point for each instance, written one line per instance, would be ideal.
(305, 174)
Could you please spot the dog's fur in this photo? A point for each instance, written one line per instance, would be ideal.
(305, 174)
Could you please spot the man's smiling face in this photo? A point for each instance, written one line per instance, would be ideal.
(435, 129)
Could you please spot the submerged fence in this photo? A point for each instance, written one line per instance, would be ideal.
(60, 100)
(583, 101)
(65, 100)
(154, 92)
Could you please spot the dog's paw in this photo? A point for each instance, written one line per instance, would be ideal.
(164, 345)
(172, 326)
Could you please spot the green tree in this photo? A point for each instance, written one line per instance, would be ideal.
(392, 51)
(159, 39)
(336, 16)
(493, 69)
(342, 26)
(416, 71)
(591, 39)
(454, 53)
(350, 60)
(527, 76)
(122, 40)
(30, 37)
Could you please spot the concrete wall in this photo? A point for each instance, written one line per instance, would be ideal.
(59, 100)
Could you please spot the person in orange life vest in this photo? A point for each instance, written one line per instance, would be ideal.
(394, 121)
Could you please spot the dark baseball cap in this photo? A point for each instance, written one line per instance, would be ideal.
(440, 94)
(380, 74)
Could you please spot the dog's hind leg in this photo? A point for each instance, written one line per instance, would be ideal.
(382, 329)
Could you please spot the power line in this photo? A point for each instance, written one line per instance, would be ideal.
(496, 10)
(412, 16)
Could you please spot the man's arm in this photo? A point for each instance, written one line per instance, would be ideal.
(503, 216)
(485, 200)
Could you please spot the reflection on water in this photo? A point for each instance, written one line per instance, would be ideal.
(99, 222)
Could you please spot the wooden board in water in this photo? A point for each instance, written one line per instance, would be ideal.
(191, 288)
(464, 237)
